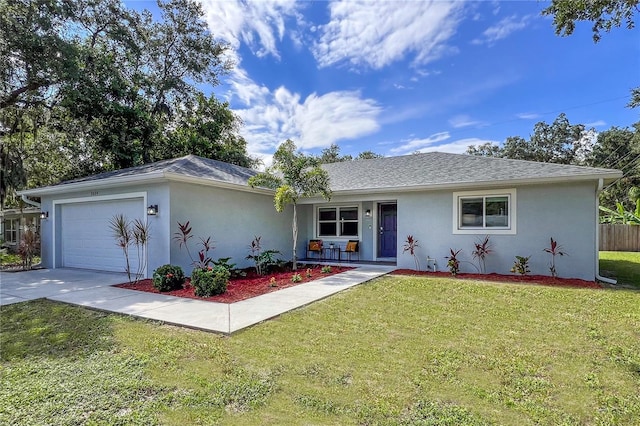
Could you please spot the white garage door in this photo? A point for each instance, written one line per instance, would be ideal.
(87, 240)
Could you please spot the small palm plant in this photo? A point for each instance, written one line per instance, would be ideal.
(131, 233)
(410, 245)
(481, 251)
(28, 248)
(183, 236)
(554, 250)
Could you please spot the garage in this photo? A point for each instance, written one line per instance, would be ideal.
(86, 238)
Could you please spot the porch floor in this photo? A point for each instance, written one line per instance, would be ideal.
(354, 263)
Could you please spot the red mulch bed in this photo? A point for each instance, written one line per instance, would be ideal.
(241, 288)
(522, 279)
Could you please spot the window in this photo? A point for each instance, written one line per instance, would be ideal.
(338, 221)
(490, 212)
(11, 231)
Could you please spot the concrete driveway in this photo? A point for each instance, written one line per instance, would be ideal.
(49, 283)
(93, 289)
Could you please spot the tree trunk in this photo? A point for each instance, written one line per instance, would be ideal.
(295, 237)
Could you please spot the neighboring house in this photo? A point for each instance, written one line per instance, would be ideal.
(444, 200)
(14, 222)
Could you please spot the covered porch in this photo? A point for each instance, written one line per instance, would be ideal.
(342, 231)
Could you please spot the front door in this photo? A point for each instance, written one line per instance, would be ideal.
(388, 229)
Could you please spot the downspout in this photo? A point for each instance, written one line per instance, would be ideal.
(28, 201)
(598, 276)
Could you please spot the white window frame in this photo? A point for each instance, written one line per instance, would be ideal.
(12, 226)
(337, 221)
(510, 229)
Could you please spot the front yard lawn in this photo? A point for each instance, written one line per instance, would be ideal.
(623, 266)
(399, 350)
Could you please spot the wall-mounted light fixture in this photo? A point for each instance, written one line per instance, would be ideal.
(152, 210)
(44, 215)
(367, 213)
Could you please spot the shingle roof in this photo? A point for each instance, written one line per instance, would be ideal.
(190, 165)
(416, 171)
(436, 169)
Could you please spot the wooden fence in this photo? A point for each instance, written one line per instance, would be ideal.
(619, 237)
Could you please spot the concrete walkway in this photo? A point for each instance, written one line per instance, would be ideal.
(93, 289)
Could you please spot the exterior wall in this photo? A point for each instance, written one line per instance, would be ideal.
(305, 228)
(564, 212)
(158, 249)
(232, 218)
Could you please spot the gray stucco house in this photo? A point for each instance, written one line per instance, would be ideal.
(444, 200)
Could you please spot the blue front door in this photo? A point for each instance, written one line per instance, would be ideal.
(388, 228)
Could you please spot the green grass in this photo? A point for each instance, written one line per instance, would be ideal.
(396, 351)
(623, 266)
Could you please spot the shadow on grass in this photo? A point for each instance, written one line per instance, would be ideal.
(51, 329)
(625, 272)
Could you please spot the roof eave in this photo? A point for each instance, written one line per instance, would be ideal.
(146, 178)
(112, 182)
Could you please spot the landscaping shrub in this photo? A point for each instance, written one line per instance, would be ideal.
(211, 281)
(168, 277)
(265, 261)
(521, 265)
(453, 263)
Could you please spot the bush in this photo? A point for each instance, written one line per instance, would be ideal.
(521, 265)
(211, 281)
(168, 277)
(231, 267)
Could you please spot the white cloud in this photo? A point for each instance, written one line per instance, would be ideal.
(528, 115)
(258, 24)
(436, 143)
(502, 29)
(379, 33)
(419, 144)
(597, 123)
(314, 122)
(463, 120)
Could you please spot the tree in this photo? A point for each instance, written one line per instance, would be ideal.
(208, 128)
(605, 15)
(293, 176)
(559, 142)
(555, 143)
(89, 86)
(487, 149)
(619, 148)
(368, 155)
(332, 155)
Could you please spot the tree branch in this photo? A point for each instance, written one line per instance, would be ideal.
(12, 97)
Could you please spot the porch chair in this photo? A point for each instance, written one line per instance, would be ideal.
(352, 249)
(315, 246)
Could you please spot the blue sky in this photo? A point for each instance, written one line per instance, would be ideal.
(400, 77)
